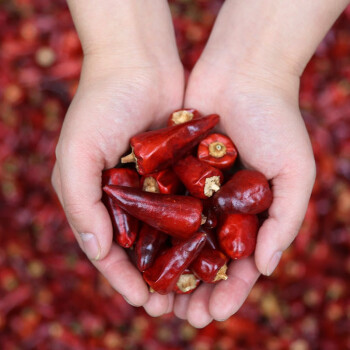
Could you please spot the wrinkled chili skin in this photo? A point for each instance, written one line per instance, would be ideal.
(237, 235)
(177, 290)
(208, 263)
(175, 215)
(148, 244)
(226, 161)
(193, 174)
(169, 266)
(125, 226)
(167, 181)
(194, 112)
(158, 149)
(246, 192)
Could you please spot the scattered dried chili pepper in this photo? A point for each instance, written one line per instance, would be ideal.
(187, 283)
(156, 150)
(164, 181)
(183, 116)
(125, 226)
(168, 267)
(218, 151)
(178, 216)
(201, 180)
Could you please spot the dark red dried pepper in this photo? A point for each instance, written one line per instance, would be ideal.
(183, 116)
(147, 246)
(237, 235)
(125, 226)
(210, 265)
(209, 213)
(168, 267)
(217, 150)
(178, 216)
(164, 181)
(201, 180)
(158, 149)
(247, 192)
(186, 283)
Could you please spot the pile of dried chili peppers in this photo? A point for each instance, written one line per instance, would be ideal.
(52, 298)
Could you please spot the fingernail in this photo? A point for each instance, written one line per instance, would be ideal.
(91, 246)
(273, 263)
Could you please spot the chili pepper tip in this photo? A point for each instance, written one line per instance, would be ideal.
(221, 275)
(212, 185)
(150, 185)
(130, 158)
(204, 219)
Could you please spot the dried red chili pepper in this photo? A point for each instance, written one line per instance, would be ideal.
(178, 216)
(210, 265)
(247, 192)
(168, 267)
(164, 181)
(237, 235)
(209, 212)
(183, 116)
(186, 283)
(217, 150)
(147, 246)
(201, 180)
(158, 149)
(125, 226)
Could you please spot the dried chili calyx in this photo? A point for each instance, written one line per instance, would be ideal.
(183, 116)
(217, 150)
(175, 215)
(168, 267)
(164, 181)
(201, 180)
(186, 283)
(156, 150)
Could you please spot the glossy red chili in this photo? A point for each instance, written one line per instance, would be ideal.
(183, 116)
(164, 181)
(217, 150)
(125, 226)
(247, 192)
(187, 283)
(178, 216)
(168, 267)
(201, 180)
(237, 235)
(156, 150)
(149, 243)
(210, 265)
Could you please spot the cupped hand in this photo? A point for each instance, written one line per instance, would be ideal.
(115, 100)
(259, 111)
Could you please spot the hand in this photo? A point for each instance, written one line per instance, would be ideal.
(259, 111)
(115, 100)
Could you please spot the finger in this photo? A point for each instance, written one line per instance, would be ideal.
(291, 196)
(198, 314)
(228, 296)
(157, 305)
(180, 305)
(56, 182)
(80, 175)
(123, 276)
(171, 298)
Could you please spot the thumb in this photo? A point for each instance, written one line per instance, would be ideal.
(80, 172)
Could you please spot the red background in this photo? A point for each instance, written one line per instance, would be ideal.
(50, 295)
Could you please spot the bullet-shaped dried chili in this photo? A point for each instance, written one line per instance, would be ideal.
(164, 181)
(178, 216)
(148, 245)
(186, 283)
(156, 150)
(246, 192)
(183, 116)
(217, 150)
(168, 267)
(210, 265)
(201, 179)
(125, 226)
(237, 235)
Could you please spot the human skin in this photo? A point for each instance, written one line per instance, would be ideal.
(248, 74)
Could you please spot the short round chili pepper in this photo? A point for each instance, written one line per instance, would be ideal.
(237, 235)
(217, 150)
(168, 267)
(156, 150)
(125, 226)
(164, 181)
(186, 283)
(201, 179)
(247, 192)
(178, 216)
(183, 116)
(210, 265)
